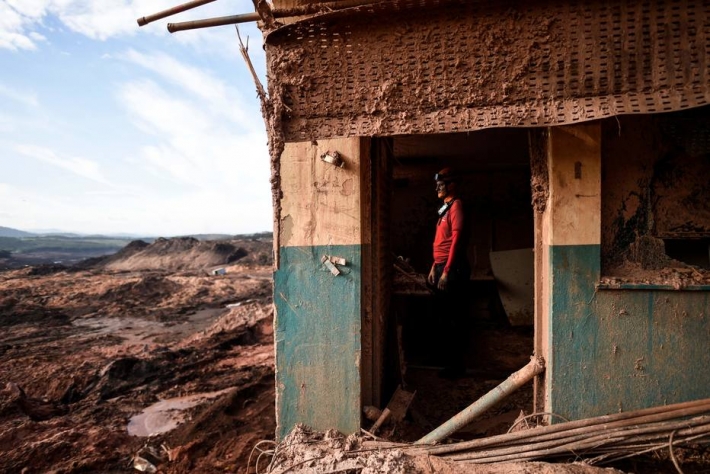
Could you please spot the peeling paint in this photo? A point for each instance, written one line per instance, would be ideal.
(317, 331)
(286, 229)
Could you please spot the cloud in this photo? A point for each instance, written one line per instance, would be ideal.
(99, 19)
(188, 77)
(204, 142)
(211, 91)
(196, 145)
(80, 166)
(12, 28)
(37, 36)
(12, 25)
(26, 98)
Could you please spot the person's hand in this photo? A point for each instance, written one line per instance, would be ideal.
(443, 281)
(431, 276)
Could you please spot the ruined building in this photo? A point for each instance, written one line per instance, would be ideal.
(582, 130)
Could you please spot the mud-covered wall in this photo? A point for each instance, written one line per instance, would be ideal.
(611, 349)
(620, 350)
(406, 67)
(655, 186)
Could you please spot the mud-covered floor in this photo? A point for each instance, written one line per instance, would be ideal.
(494, 350)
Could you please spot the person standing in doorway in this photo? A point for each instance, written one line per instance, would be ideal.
(450, 272)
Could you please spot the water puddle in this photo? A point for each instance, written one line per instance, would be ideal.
(166, 415)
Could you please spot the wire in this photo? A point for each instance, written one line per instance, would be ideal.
(261, 452)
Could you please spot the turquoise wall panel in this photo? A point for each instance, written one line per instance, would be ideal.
(614, 350)
(317, 332)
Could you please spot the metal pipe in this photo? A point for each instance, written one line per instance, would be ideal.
(508, 386)
(172, 11)
(209, 22)
(280, 13)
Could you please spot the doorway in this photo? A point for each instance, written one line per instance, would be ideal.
(494, 170)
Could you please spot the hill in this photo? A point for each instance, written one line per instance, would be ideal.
(183, 254)
(9, 232)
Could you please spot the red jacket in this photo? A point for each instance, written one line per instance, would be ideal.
(449, 230)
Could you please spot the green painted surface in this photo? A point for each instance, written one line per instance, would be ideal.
(614, 350)
(317, 331)
(647, 286)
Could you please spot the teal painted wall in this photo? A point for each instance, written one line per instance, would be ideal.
(317, 332)
(614, 350)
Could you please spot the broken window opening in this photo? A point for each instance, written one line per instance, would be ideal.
(656, 199)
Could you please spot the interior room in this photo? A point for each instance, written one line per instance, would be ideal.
(493, 169)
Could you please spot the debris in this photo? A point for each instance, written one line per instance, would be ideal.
(371, 413)
(396, 408)
(35, 409)
(383, 417)
(334, 158)
(407, 272)
(306, 451)
(602, 439)
(329, 265)
(509, 385)
(143, 465)
(399, 403)
(89, 348)
(147, 459)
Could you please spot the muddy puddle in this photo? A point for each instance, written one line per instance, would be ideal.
(136, 331)
(166, 415)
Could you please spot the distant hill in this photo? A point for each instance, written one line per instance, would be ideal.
(266, 235)
(8, 232)
(183, 253)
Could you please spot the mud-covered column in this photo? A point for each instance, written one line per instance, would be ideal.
(318, 303)
(571, 237)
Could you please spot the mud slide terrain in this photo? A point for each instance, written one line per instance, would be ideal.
(98, 364)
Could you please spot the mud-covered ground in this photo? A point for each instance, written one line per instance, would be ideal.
(106, 371)
(83, 352)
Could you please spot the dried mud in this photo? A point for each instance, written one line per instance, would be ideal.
(81, 352)
(305, 451)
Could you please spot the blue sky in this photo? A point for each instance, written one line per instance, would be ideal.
(106, 127)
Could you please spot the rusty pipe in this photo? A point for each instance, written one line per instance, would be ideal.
(518, 379)
(278, 13)
(172, 11)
